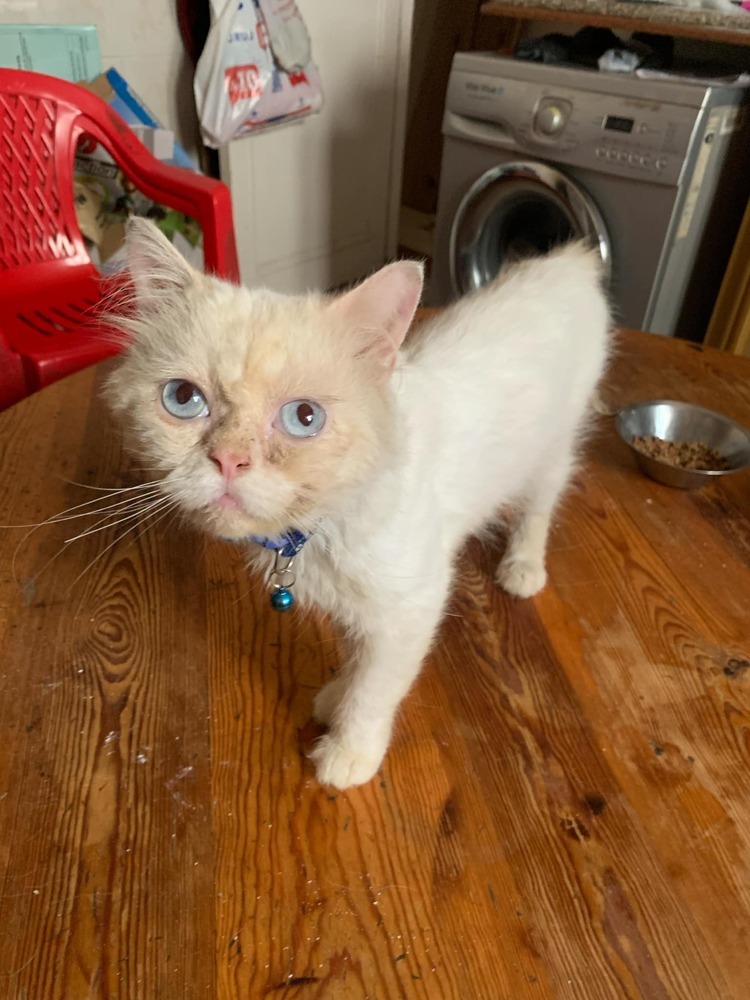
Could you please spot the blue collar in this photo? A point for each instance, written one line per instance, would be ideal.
(288, 544)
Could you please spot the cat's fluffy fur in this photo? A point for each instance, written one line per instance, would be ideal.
(422, 445)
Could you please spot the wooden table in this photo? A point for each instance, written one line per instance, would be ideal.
(565, 810)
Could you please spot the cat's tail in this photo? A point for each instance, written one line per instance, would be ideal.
(584, 257)
(583, 260)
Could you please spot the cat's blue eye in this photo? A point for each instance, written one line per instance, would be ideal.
(302, 418)
(183, 400)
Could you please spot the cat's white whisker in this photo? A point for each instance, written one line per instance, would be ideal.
(135, 510)
(144, 511)
(141, 510)
(109, 523)
(147, 527)
(148, 468)
(118, 539)
(94, 511)
(110, 489)
(67, 513)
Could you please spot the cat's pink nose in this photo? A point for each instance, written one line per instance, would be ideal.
(231, 463)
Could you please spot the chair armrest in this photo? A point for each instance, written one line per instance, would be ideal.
(205, 199)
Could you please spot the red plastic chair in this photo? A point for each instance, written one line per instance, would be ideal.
(50, 292)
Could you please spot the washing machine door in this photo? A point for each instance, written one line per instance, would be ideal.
(519, 210)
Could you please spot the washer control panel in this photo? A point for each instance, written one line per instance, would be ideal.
(551, 116)
(633, 159)
(625, 135)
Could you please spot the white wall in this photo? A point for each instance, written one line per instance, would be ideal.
(140, 38)
(316, 202)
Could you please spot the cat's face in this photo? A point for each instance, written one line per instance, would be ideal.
(261, 412)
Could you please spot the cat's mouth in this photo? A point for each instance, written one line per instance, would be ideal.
(230, 514)
(227, 517)
(230, 517)
(227, 502)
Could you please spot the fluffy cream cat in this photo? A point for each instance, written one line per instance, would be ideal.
(267, 414)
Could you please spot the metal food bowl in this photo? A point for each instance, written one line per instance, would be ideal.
(676, 422)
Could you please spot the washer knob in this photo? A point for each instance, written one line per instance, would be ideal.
(550, 120)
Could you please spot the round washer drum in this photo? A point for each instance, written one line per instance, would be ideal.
(518, 210)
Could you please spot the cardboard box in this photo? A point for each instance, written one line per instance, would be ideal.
(117, 92)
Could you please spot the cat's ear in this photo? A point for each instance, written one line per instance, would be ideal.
(382, 307)
(158, 271)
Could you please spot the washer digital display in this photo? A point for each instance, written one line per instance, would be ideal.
(616, 124)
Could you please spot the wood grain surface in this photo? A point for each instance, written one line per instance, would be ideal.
(564, 812)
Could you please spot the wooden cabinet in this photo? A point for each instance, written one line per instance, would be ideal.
(730, 322)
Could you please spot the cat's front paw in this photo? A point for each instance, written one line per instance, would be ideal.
(342, 764)
(521, 578)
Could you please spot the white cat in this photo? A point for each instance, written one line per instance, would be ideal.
(267, 413)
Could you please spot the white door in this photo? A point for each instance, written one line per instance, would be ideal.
(316, 202)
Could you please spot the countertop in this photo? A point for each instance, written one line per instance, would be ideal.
(661, 16)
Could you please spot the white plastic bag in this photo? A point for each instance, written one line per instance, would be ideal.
(239, 86)
(287, 33)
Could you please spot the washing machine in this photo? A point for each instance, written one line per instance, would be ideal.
(653, 172)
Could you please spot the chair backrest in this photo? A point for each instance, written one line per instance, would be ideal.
(41, 121)
(38, 227)
(50, 292)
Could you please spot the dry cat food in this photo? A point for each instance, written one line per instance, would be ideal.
(683, 454)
